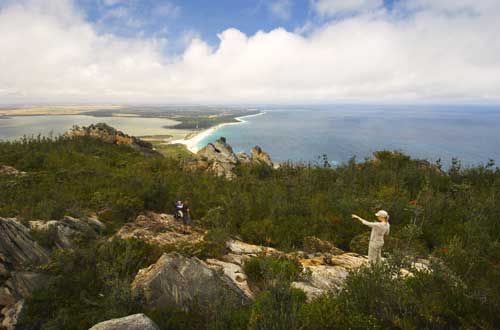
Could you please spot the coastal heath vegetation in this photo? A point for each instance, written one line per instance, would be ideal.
(448, 216)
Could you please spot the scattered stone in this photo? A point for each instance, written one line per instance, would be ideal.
(132, 322)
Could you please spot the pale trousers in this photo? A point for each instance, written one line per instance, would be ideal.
(375, 251)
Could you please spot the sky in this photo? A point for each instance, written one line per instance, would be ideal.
(249, 52)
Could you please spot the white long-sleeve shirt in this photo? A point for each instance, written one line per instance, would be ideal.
(379, 230)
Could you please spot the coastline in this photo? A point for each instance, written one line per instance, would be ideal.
(192, 142)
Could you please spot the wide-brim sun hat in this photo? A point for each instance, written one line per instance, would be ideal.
(382, 213)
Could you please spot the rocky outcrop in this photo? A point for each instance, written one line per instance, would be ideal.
(66, 232)
(109, 134)
(261, 157)
(9, 170)
(181, 281)
(160, 229)
(220, 157)
(132, 322)
(18, 253)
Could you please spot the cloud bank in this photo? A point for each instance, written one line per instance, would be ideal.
(422, 50)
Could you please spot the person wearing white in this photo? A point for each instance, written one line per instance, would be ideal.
(379, 230)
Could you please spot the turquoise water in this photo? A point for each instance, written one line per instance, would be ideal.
(469, 133)
(16, 127)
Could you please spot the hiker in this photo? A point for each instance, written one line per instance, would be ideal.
(178, 214)
(186, 214)
(379, 230)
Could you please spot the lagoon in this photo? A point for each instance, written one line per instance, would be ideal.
(17, 127)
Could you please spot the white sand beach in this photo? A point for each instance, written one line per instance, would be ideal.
(192, 141)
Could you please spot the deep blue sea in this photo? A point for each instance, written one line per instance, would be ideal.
(469, 133)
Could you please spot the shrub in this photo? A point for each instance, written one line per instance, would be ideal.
(270, 271)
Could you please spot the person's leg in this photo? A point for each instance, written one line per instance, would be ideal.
(372, 253)
(379, 253)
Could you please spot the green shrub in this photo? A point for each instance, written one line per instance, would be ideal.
(45, 237)
(268, 271)
(88, 285)
(277, 308)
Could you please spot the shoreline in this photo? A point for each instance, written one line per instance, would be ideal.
(192, 142)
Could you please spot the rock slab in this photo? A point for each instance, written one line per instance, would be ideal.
(181, 281)
(132, 322)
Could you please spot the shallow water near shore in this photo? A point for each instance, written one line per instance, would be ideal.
(17, 127)
(469, 133)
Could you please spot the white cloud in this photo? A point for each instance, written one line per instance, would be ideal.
(166, 9)
(281, 8)
(118, 12)
(50, 53)
(111, 2)
(333, 7)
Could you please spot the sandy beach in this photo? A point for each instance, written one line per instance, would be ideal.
(192, 141)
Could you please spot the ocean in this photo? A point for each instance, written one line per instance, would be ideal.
(468, 133)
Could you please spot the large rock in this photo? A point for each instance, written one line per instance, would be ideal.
(66, 232)
(234, 272)
(109, 134)
(18, 251)
(181, 281)
(17, 248)
(132, 322)
(220, 157)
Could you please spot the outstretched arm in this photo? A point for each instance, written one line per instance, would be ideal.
(363, 221)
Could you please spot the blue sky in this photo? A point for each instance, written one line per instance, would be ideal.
(176, 20)
(249, 52)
